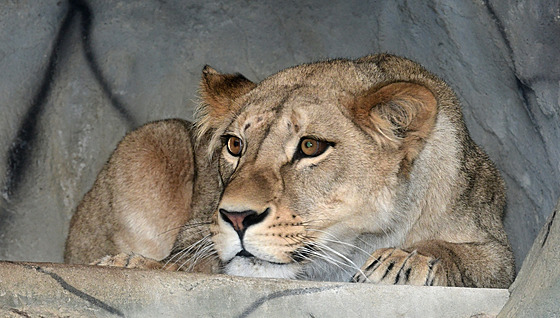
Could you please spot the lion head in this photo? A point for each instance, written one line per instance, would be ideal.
(314, 161)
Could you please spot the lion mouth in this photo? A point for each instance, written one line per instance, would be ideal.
(244, 253)
(253, 259)
(256, 267)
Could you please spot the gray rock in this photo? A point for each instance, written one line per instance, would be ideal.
(536, 291)
(531, 32)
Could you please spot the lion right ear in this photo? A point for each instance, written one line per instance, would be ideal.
(218, 92)
(400, 114)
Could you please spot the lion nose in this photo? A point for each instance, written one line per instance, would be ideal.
(241, 220)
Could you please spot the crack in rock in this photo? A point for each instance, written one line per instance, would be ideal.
(283, 293)
(73, 290)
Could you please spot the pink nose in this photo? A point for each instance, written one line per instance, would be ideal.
(243, 219)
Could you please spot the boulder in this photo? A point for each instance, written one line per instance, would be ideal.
(536, 290)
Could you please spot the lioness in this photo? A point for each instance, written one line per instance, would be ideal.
(343, 170)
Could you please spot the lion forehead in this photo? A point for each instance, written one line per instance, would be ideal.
(291, 110)
(252, 120)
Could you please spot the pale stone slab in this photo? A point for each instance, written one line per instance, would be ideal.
(44, 289)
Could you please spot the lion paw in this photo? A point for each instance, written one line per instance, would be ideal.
(125, 260)
(391, 266)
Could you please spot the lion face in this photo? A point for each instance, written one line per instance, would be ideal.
(294, 182)
(309, 172)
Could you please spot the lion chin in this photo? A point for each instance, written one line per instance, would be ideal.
(256, 267)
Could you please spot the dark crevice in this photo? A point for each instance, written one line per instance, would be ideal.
(20, 153)
(90, 299)
(523, 88)
(501, 29)
(20, 313)
(284, 293)
(548, 226)
(526, 93)
(87, 18)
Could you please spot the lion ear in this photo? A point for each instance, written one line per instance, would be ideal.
(218, 91)
(401, 114)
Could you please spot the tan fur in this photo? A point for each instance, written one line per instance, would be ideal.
(401, 194)
(139, 200)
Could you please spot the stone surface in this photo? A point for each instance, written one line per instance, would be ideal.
(33, 290)
(76, 75)
(536, 291)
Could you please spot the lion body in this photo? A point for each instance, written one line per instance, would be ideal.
(396, 192)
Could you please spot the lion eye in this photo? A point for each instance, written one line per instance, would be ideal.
(310, 147)
(234, 146)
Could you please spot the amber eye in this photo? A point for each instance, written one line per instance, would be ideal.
(234, 146)
(310, 147)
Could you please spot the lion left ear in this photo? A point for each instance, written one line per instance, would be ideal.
(218, 91)
(401, 114)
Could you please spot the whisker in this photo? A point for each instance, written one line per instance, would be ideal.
(171, 229)
(189, 248)
(336, 240)
(349, 245)
(328, 254)
(201, 245)
(350, 263)
(199, 252)
(185, 251)
(202, 257)
(315, 222)
(329, 260)
(186, 226)
(364, 242)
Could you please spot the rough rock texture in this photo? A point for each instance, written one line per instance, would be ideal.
(76, 75)
(536, 291)
(34, 290)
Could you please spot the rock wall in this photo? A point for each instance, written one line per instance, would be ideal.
(78, 74)
(536, 290)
